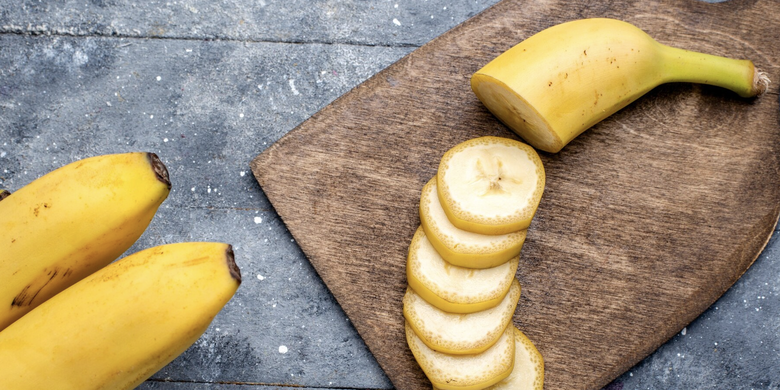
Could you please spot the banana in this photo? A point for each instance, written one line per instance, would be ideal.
(559, 82)
(120, 325)
(460, 247)
(490, 185)
(459, 334)
(71, 222)
(528, 373)
(465, 372)
(455, 289)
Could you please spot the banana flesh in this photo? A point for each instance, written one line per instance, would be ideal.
(120, 325)
(490, 185)
(459, 334)
(528, 373)
(455, 289)
(460, 247)
(563, 80)
(71, 222)
(465, 372)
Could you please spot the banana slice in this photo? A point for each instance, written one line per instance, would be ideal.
(490, 185)
(465, 372)
(451, 288)
(460, 247)
(459, 334)
(528, 373)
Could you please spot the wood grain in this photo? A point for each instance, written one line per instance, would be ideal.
(646, 219)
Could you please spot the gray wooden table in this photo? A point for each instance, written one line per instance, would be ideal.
(207, 86)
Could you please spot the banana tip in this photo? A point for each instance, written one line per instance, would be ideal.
(235, 272)
(159, 169)
(4, 194)
(760, 82)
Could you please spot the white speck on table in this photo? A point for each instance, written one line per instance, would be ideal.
(292, 87)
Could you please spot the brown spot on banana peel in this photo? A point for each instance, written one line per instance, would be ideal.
(29, 292)
(37, 209)
(190, 263)
(21, 298)
(160, 171)
(230, 258)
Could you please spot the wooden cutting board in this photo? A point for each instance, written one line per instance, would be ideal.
(646, 219)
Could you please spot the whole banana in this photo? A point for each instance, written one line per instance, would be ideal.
(71, 222)
(563, 80)
(120, 325)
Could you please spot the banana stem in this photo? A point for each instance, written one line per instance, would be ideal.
(4, 194)
(739, 76)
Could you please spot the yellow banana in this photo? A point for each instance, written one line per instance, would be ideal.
(71, 222)
(563, 80)
(120, 325)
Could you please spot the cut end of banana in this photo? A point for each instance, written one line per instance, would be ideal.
(459, 334)
(160, 171)
(528, 373)
(465, 372)
(490, 185)
(515, 112)
(460, 247)
(455, 289)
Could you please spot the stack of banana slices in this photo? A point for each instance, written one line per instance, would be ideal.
(462, 261)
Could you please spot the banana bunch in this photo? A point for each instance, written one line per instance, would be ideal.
(120, 325)
(68, 319)
(462, 260)
(71, 222)
(561, 81)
